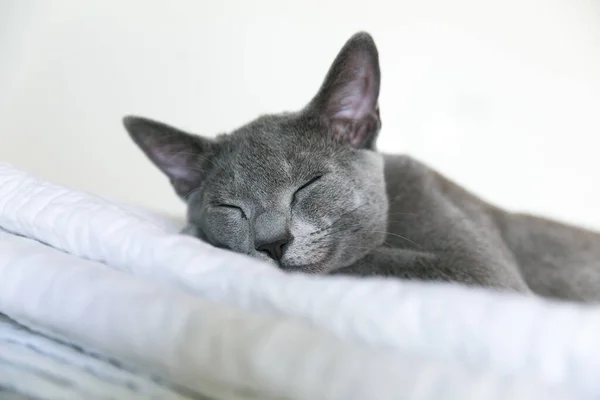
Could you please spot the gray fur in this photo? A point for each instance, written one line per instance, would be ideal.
(307, 191)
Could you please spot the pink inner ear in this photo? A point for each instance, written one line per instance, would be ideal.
(356, 102)
(176, 164)
(354, 131)
(176, 156)
(357, 98)
(353, 108)
(181, 167)
(360, 132)
(177, 172)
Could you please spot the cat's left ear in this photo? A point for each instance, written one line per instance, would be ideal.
(178, 154)
(348, 98)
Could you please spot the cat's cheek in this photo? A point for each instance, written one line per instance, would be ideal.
(311, 254)
(302, 227)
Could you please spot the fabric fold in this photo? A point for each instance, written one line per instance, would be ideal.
(212, 349)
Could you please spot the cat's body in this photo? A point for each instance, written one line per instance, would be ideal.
(439, 231)
(307, 192)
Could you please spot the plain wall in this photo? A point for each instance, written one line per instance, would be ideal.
(501, 96)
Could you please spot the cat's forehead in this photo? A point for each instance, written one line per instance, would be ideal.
(277, 141)
(271, 154)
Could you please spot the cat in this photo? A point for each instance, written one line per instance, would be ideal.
(307, 191)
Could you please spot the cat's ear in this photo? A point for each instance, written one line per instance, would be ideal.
(347, 100)
(177, 154)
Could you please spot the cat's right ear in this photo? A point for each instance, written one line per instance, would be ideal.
(177, 154)
(348, 99)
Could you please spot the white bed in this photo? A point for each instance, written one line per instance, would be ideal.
(118, 305)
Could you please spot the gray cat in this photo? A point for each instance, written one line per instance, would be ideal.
(307, 192)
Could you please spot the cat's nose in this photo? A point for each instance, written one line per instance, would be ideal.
(272, 234)
(274, 249)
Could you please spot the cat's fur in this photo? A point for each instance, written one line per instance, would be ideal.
(308, 192)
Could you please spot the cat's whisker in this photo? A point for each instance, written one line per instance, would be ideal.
(340, 218)
(399, 236)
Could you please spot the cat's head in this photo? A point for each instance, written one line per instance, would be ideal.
(303, 190)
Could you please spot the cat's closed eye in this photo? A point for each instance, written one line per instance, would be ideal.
(307, 184)
(232, 207)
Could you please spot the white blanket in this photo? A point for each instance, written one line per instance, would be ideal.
(123, 283)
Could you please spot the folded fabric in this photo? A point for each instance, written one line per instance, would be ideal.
(357, 338)
(38, 367)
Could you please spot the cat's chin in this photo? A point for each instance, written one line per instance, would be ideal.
(320, 268)
(304, 268)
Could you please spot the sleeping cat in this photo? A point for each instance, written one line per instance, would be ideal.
(307, 191)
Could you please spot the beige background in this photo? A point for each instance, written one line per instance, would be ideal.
(502, 96)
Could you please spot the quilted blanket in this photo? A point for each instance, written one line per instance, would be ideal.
(102, 300)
